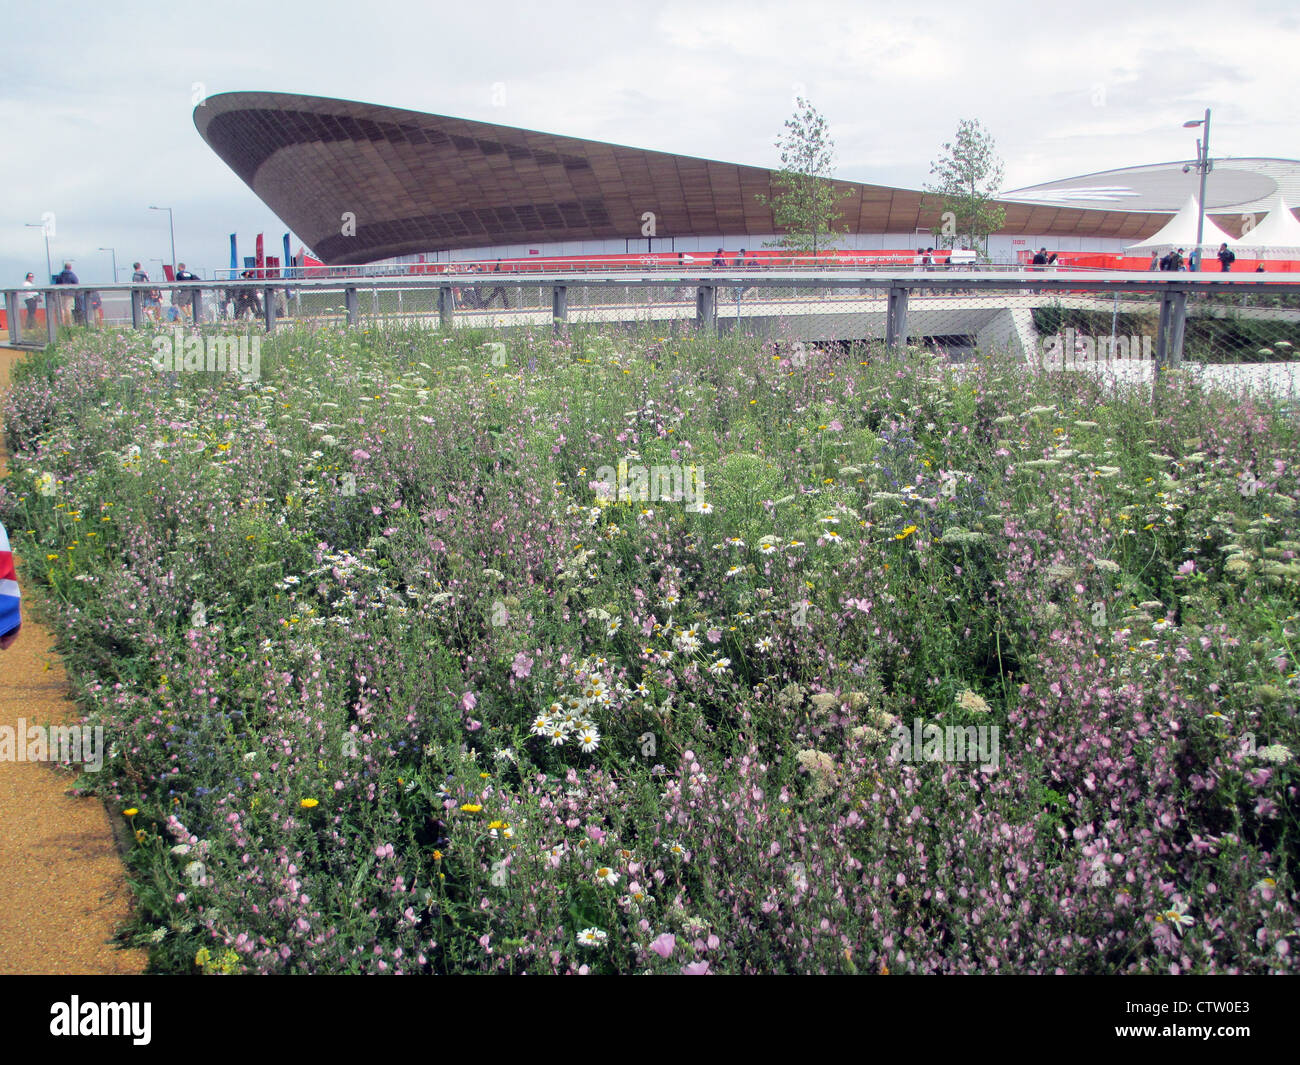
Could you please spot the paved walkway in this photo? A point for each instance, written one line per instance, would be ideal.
(62, 886)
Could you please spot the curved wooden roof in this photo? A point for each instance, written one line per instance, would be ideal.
(418, 182)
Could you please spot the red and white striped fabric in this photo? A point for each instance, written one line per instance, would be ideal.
(10, 614)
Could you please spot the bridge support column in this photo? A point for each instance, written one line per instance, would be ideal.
(137, 308)
(350, 304)
(1173, 321)
(446, 307)
(268, 307)
(559, 308)
(11, 312)
(53, 312)
(706, 308)
(196, 305)
(896, 318)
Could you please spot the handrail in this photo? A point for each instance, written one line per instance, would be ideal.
(956, 278)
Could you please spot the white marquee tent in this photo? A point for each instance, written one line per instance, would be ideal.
(1180, 232)
(1278, 233)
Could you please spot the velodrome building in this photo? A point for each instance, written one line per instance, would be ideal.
(430, 188)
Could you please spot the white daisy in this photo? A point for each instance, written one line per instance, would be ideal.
(588, 739)
(592, 937)
(607, 875)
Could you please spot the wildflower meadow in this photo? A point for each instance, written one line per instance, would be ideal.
(426, 652)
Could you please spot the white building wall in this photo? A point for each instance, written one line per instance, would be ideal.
(1003, 247)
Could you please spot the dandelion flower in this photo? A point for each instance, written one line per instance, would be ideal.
(469, 807)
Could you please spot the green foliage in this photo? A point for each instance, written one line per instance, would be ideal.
(969, 180)
(804, 204)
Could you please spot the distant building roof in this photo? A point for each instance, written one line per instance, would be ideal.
(413, 182)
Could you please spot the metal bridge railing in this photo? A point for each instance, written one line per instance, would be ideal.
(1061, 318)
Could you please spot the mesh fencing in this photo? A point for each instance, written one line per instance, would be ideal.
(1053, 328)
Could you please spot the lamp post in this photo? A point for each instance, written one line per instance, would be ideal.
(113, 251)
(1204, 165)
(49, 270)
(172, 228)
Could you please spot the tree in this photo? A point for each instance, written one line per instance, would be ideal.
(970, 174)
(803, 205)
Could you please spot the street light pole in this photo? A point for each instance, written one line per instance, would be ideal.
(49, 270)
(171, 228)
(1203, 165)
(114, 254)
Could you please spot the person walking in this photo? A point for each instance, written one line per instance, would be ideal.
(1155, 261)
(500, 289)
(148, 303)
(69, 306)
(181, 298)
(739, 263)
(31, 297)
(1176, 261)
(11, 617)
(246, 299)
(1226, 258)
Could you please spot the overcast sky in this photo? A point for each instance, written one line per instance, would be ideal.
(97, 112)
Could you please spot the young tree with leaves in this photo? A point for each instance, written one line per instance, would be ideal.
(804, 200)
(969, 177)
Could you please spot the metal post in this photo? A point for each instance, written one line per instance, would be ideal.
(137, 308)
(896, 318)
(1205, 170)
(446, 307)
(268, 308)
(15, 324)
(53, 312)
(559, 308)
(196, 305)
(350, 303)
(1177, 323)
(1162, 334)
(706, 310)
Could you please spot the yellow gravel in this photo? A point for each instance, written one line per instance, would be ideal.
(62, 884)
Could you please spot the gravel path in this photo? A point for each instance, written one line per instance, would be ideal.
(62, 884)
